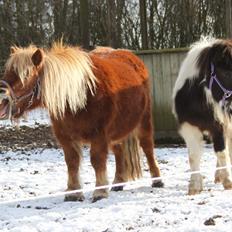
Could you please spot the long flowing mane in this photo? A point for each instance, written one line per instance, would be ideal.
(67, 76)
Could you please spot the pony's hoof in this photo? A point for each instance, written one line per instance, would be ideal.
(99, 194)
(74, 197)
(227, 184)
(195, 184)
(217, 180)
(157, 184)
(217, 177)
(117, 188)
(194, 191)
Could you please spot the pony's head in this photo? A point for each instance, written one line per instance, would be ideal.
(20, 85)
(60, 79)
(215, 66)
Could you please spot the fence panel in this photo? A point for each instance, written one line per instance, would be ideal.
(163, 66)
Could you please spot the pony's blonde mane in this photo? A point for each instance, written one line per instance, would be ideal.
(67, 76)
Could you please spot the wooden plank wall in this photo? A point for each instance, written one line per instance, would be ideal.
(163, 66)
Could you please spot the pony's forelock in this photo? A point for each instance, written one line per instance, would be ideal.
(20, 61)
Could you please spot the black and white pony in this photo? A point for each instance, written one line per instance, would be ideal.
(202, 98)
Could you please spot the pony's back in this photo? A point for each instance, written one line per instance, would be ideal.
(118, 69)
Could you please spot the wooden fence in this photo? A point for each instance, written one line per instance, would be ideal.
(163, 68)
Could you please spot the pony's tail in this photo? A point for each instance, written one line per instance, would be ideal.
(131, 157)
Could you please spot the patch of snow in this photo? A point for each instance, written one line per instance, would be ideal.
(137, 208)
(33, 118)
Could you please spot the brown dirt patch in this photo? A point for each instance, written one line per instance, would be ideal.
(26, 138)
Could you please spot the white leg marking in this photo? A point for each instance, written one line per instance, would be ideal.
(223, 159)
(194, 141)
(228, 136)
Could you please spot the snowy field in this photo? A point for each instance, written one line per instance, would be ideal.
(137, 208)
(33, 118)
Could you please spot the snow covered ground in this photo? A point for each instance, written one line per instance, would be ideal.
(33, 118)
(137, 208)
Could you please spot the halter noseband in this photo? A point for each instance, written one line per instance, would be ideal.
(14, 99)
(213, 77)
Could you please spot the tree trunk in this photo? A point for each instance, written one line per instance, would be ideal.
(84, 23)
(111, 23)
(143, 23)
(228, 19)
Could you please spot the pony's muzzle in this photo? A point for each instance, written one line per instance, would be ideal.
(5, 104)
(3, 92)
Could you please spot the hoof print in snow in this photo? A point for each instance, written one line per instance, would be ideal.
(41, 207)
(201, 203)
(155, 210)
(210, 222)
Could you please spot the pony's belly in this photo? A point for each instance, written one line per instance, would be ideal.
(118, 131)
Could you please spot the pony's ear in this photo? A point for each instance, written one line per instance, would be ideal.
(37, 57)
(13, 49)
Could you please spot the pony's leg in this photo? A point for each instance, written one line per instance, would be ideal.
(98, 152)
(228, 135)
(119, 173)
(223, 159)
(145, 135)
(230, 149)
(194, 141)
(218, 172)
(73, 154)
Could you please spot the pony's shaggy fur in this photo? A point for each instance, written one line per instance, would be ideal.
(200, 107)
(189, 69)
(67, 75)
(100, 98)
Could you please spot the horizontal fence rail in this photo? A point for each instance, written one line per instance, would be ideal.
(134, 184)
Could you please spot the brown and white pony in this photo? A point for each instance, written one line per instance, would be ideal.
(100, 98)
(202, 103)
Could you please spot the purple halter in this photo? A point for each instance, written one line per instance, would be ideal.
(227, 93)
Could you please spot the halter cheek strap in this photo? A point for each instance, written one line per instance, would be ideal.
(36, 92)
(213, 77)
